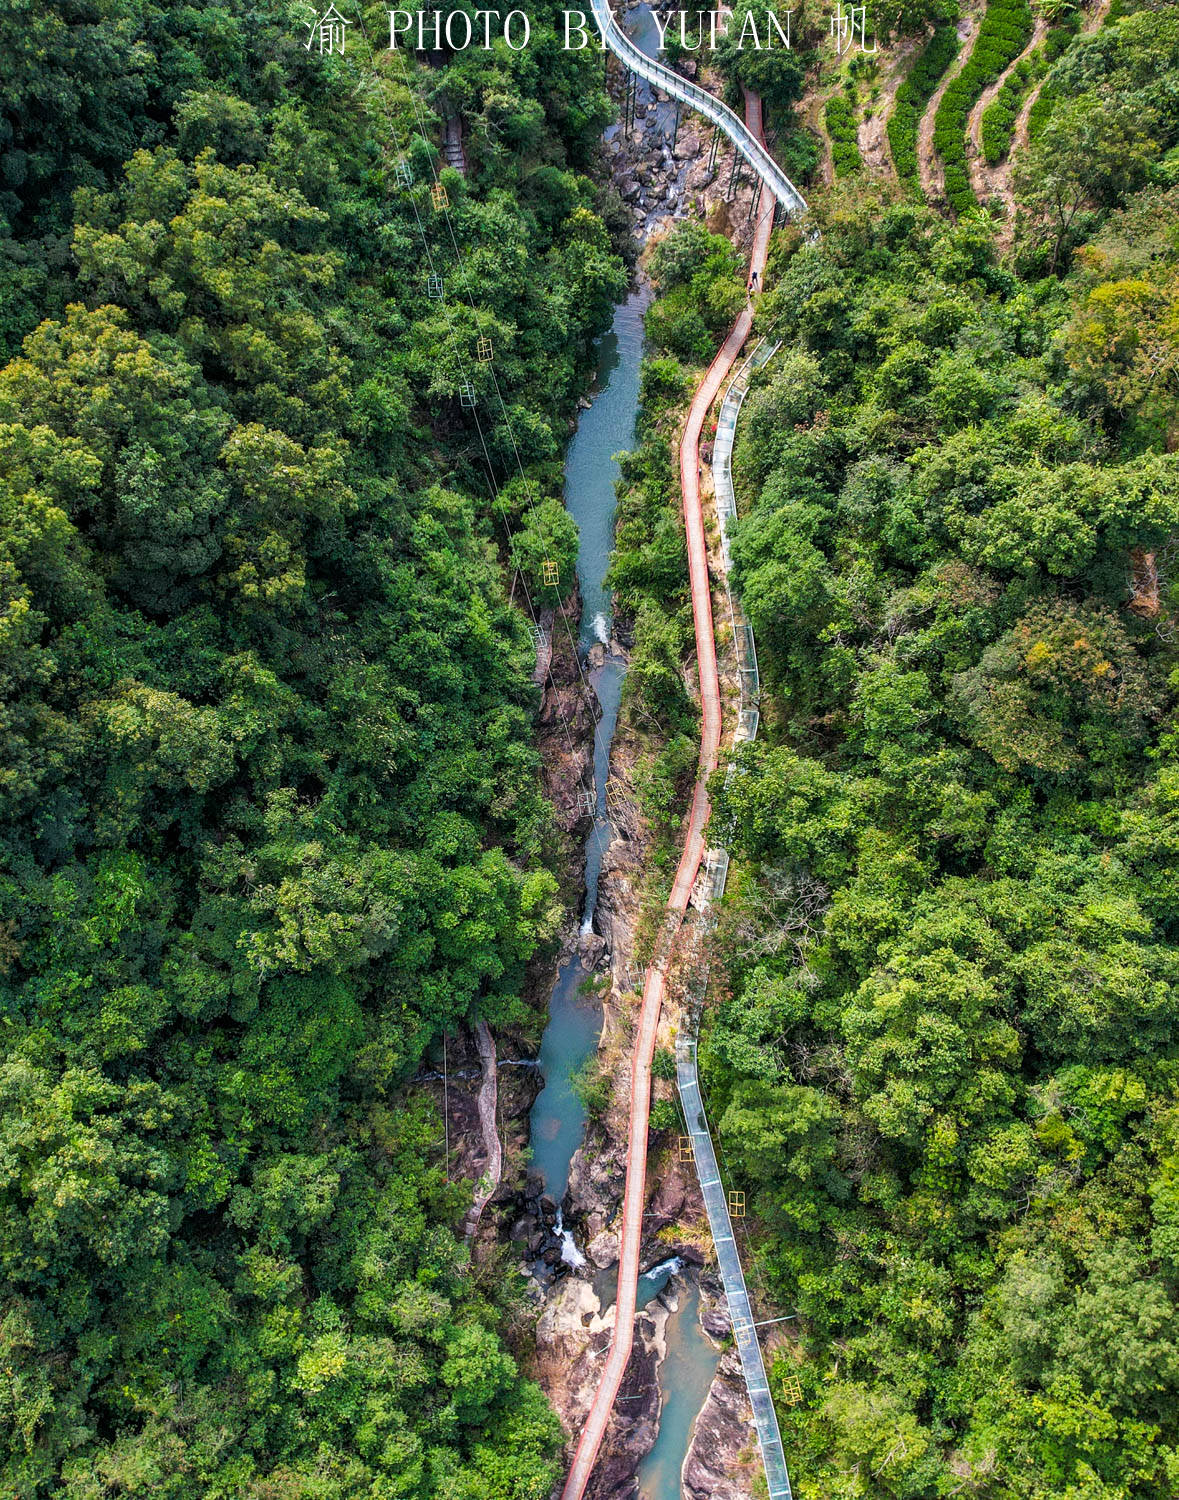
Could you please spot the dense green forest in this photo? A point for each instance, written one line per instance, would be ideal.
(272, 819)
(944, 1063)
(271, 815)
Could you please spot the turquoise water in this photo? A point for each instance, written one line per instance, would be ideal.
(558, 1117)
(575, 1015)
(684, 1377)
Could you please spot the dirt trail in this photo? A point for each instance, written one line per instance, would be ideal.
(989, 182)
(872, 134)
(929, 163)
(1001, 177)
(693, 851)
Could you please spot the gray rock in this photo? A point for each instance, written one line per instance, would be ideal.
(603, 1249)
(722, 1437)
(715, 1322)
(592, 949)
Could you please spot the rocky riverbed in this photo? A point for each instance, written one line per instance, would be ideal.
(568, 1250)
(666, 172)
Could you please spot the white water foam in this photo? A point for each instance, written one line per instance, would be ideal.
(602, 628)
(570, 1254)
(670, 1267)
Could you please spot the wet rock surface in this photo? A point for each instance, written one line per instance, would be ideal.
(565, 735)
(666, 170)
(603, 1249)
(634, 1424)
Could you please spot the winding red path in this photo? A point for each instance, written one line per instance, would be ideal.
(594, 1429)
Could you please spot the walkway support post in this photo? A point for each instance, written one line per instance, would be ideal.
(745, 135)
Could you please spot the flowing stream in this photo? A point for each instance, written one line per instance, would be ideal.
(684, 1376)
(570, 1039)
(575, 1013)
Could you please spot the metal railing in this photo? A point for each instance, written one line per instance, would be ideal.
(726, 510)
(711, 883)
(765, 1418)
(701, 100)
(712, 887)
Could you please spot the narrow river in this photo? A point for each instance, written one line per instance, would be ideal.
(570, 1039)
(575, 1014)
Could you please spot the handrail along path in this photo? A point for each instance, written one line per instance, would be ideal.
(745, 134)
(765, 1418)
(747, 138)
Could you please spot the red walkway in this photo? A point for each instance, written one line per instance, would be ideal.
(640, 1090)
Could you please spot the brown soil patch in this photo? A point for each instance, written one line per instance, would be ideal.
(1000, 178)
(992, 182)
(929, 163)
(872, 134)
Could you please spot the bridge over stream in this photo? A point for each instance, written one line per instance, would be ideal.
(747, 141)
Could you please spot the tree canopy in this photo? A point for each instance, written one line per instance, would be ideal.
(272, 819)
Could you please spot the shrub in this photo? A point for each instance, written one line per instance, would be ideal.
(688, 250)
(999, 118)
(676, 324)
(665, 1115)
(998, 121)
(841, 127)
(912, 97)
(592, 1086)
(1004, 34)
(663, 1064)
(799, 152)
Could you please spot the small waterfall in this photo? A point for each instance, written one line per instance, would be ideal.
(602, 628)
(570, 1254)
(665, 1268)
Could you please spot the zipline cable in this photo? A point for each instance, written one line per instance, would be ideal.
(460, 361)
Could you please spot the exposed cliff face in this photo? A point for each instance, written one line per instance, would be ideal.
(634, 1423)
(571, 1341)
(572, 1338)
(565, 737)
(619, 885)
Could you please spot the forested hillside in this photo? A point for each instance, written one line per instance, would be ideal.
(945, 1065)
(271, 819)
